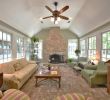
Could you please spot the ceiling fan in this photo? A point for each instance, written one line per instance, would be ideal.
(57, 14)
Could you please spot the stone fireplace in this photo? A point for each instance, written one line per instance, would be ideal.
(55, 46)
(56, 58)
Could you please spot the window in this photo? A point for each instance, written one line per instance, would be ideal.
(92, 47)
(38, 49)
(20, 47)
(27, 48)
(106, 46)
(83, 48)
(72, 46)
(5, 46)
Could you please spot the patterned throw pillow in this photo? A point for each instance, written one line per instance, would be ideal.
(71, 96)
(17, 66)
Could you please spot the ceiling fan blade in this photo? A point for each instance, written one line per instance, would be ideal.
(63, 17)
(49, 9)
(64, 9)
(47, 17)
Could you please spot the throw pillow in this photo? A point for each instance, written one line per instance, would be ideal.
(17, 66)
(81, 65)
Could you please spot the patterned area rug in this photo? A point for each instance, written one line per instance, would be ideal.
(71, 82)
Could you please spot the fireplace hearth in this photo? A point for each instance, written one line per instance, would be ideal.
(56, 58)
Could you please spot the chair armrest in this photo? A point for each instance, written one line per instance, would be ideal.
(101, 72)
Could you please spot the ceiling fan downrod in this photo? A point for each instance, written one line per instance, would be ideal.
(55, 4)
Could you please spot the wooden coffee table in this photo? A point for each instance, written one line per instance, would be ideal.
(46, 74)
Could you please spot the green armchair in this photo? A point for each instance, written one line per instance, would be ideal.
(95, 76)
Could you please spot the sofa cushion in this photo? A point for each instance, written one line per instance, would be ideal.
(17, 66)
(89, 72)
(13, 94)
(7, 68)
(25, 72)
(72, 96)
(23, 62)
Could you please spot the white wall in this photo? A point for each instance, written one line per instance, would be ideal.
(98, 33)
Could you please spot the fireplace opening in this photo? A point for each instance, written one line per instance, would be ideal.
(56, 58)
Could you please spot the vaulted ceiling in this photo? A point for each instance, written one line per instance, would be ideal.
(25, 15)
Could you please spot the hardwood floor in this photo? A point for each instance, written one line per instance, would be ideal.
(70, 82)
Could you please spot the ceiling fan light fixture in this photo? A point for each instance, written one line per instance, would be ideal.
(56, 22)
(70, 18)
(52, 19)
(58, 19)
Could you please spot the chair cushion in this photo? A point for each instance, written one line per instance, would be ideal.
(13, 94)
(72, 96)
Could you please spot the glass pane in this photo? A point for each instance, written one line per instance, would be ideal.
(103, 59)
(5, 54)
(108, 45)
(5, 46)
(0, 35)
(108, 35)
(104, 53)
(9, 53)
(1, 54)
(72, 45)
(0, 44)
(4, 36)
(8, 37)
(104, 37)
(108, 53)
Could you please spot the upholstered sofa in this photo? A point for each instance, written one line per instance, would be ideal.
(95, 74)
(13, 94)
(17, 72)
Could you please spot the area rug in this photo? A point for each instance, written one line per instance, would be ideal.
(71, 82)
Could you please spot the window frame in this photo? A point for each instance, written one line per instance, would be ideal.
(74, 56)
(6, 46)
(20, 47)
(84, 50)
(107, 49)
(93, 50)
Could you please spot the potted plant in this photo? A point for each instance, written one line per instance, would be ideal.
(77, 51)
(34, 39)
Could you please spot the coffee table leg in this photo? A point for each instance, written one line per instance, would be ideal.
(59, 82)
